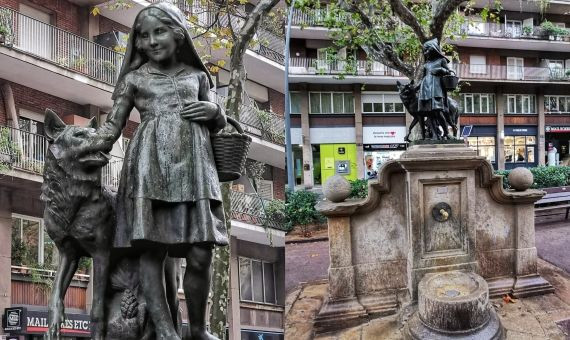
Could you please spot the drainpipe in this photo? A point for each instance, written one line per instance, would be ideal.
(288, 145)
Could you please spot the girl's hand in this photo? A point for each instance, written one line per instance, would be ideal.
(201, 111)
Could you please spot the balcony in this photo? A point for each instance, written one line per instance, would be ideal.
(250, 208)
(65, 49)
(511, 73)
(341, 71)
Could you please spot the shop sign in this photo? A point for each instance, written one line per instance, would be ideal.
(36, 322)
(371, 147)
(557, 129)
(383, 134)
(520, 130)
(13, 319)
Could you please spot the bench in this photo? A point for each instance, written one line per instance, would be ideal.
(551, 201)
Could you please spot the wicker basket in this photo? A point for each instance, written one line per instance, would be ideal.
(450, 82)
(230, 152)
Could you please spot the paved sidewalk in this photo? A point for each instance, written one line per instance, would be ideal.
(305, 262)
(553, 242)
(535, 318)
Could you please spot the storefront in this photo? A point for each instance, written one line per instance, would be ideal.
(520, 146)
(559, 137)
(31, 323)
(247, 334)
(381, 144)
(483, 139)
(338, 159)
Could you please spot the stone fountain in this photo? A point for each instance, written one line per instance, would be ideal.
(438, 209)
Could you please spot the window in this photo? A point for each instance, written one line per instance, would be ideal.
(257, 280)
(520, 149)
(331, 102)
(485, 146)
(295, 98)
(477, 103)
(30, 243)
(521, 103)
(515, 68)
(556, 68)
(557, 104)
(478, 64)
(382, 103)
(514, 28)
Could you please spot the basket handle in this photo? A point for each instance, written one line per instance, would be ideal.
(235, 124)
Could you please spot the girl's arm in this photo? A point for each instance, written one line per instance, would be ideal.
(123, 104)
(219, 122)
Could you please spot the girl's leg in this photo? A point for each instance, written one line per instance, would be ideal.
(152, 284)
(197, 287)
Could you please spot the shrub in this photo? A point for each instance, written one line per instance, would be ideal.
(358, 188)
(300, 209)
(544, 176)
(275, 211)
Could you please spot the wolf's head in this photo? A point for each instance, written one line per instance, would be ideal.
(74, 149)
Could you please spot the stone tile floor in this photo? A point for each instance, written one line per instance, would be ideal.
(543, 317)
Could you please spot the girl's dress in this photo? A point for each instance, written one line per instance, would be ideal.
(432, 95)
(169, 193)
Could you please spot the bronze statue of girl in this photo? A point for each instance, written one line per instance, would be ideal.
(169, 200)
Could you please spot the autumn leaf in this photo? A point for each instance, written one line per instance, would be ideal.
(95, 11)
(221, 63)
(508, 299)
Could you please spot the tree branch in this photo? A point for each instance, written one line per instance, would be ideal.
(441, 14)
(381, 51)
(408, 18)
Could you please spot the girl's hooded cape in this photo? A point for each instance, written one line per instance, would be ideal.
(434, 44)
(187, 52)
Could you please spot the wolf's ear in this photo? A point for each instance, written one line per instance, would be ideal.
(92, 123)
(412, 82)
(53, 125)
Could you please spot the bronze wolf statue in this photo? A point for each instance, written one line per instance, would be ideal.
(79, 216)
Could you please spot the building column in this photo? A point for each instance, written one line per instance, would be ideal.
(5, 250)
(89, 26)
(358, 129)
(541, 152)
(308, 180)
(234, 320)
(500, 131)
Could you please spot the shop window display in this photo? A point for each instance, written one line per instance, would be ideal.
(485, 146)
(373, 160)
(520, 149)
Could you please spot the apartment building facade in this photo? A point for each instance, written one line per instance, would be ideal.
(58, 55)
(514, 95)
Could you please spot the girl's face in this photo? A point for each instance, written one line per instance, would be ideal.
(157, 40)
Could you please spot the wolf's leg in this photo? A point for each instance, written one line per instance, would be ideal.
(101, 272)
(152, 283)
(196, 288)
(414, 122)
(68, 261)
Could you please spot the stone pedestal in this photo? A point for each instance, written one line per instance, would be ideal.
(438, 208)
(454, 305)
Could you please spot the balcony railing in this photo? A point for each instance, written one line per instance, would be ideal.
(340, 67)
(502, 30)
(503, 72)
(310, 17)
(265, 125)
(269, 44)
(250, 208)
(26, 152)
(60, 47)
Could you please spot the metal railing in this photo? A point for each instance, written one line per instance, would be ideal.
(310, 17)
(111, 173)
(503, 72)
(60, 47)
(269, 44)
(250, 208)
(26, 151)
(265, 125)
(502, 30)
(337, 67)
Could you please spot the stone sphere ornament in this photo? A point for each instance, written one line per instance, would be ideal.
(336, 189)
(520, 179)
